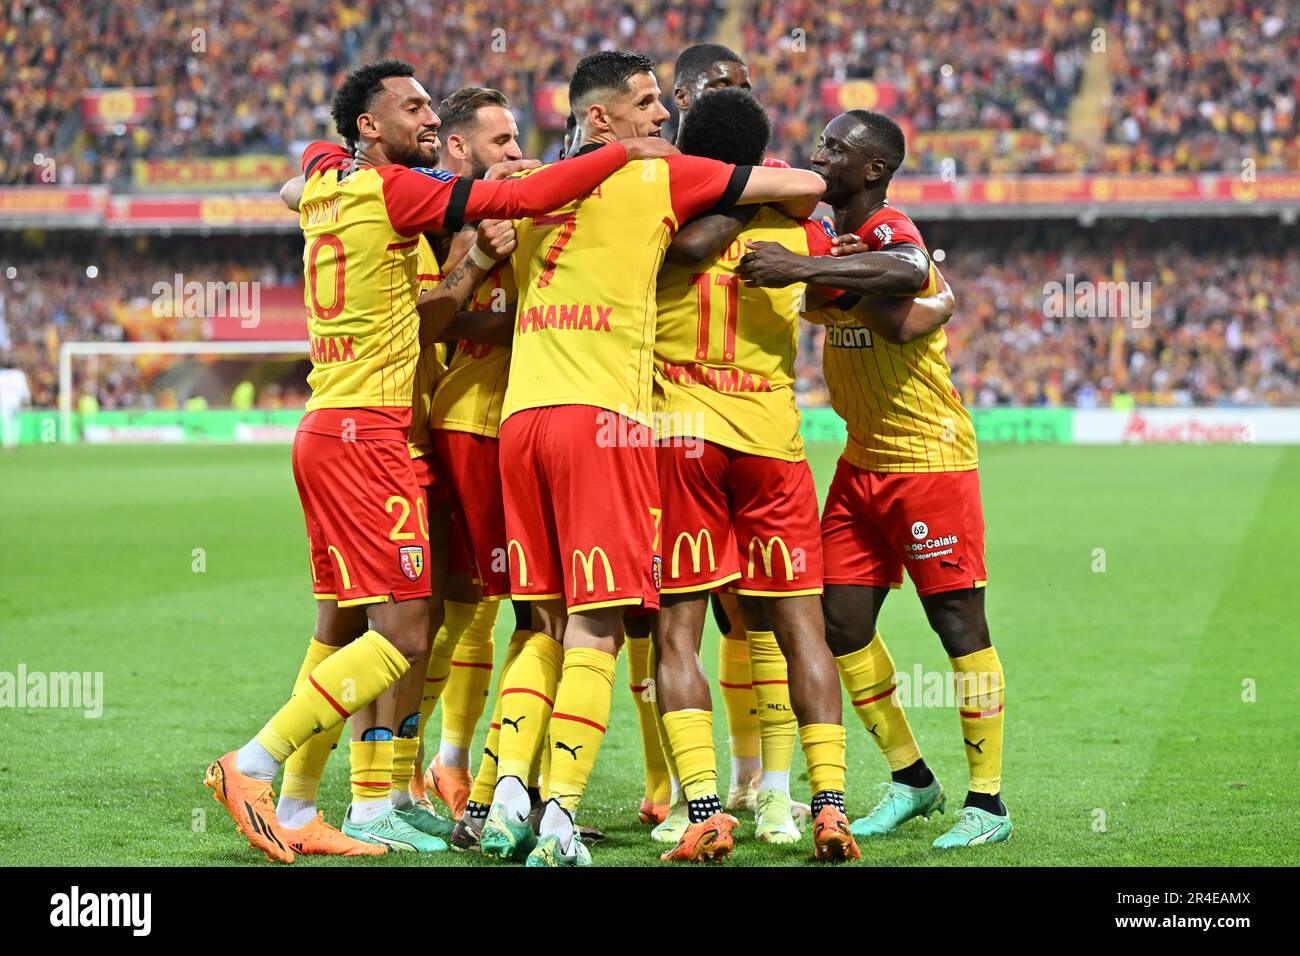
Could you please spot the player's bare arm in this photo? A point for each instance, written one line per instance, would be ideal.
(291, 192)
(776, 185)
(900, 270)
(899, 319)
(485, 326)
(495, 241)
(706, 236)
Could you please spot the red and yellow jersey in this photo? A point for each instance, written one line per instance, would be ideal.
(431, 367)
(585, 325)
(725, 351)
(470, 395)
(361, 228)
(898, 401)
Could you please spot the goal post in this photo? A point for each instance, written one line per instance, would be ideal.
(286, 351)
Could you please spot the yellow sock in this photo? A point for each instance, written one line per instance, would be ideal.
(372, 770)
(981, 688)
(691, 735)
(456, 618)
(823, 748)
(578, 723)
(738, 695)
(776, 721)
(306, 765)
(471, 675)
(485, 780)
(337, 687)
(404, 753)
(657, 786)
(539, 774)
(527, 698)
(868, 676)
(665, 747)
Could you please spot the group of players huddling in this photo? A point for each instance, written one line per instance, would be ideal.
(572, 385)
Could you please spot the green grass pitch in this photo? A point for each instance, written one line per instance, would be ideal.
(1151, 709)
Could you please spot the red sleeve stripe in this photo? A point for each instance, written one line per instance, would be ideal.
(435, 680)
(723, 683)
(332, 702)
(868, 700)
(672, 230)
(528, 690)
(580, 720)
(982, 713)
(486, 667)
(404, 245)
(638, 688)
(426, 276)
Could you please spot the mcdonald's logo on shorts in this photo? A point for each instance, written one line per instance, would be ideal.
(523, 562)
(696, 543)
(766, 551)
(588, 562)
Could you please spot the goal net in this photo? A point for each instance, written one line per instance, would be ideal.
(238, 391)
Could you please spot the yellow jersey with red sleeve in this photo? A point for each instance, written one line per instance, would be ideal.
(361, 259)
(585, 322)
(725, 351)
(898, 401)
(431, 367)
(471, 394)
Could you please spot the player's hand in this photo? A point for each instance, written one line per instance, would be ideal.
(496, 237)
(849, 244)
(648, 147)
(769, 264)
(508, 167)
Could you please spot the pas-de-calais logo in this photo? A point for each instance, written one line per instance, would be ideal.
(411, 559)
(657, 572)
(919, 530)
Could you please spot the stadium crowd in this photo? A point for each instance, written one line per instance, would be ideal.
(1193, 85)
(1224, 326)
(238, 91)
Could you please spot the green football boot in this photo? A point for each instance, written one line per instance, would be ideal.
(898, 804)
(975, 826)
(506, 839)
(424, 818)
(548, 853)
(773, 821)
(674, 825)
(393, 832)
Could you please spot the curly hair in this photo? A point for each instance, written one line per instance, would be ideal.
(728, 125)
(695, 61)
(358, 91)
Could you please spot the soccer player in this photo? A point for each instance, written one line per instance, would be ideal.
(739, 504)
(354, 474)
(577, 462)
(759, 717)
(906, 490)
(464, 417)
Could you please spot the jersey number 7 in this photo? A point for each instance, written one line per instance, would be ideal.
(568, 223)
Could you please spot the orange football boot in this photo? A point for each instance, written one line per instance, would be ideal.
(451, 785)
(707, 842)
(320, 839)
(832, 840)
(249, 804)
(652, 813)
